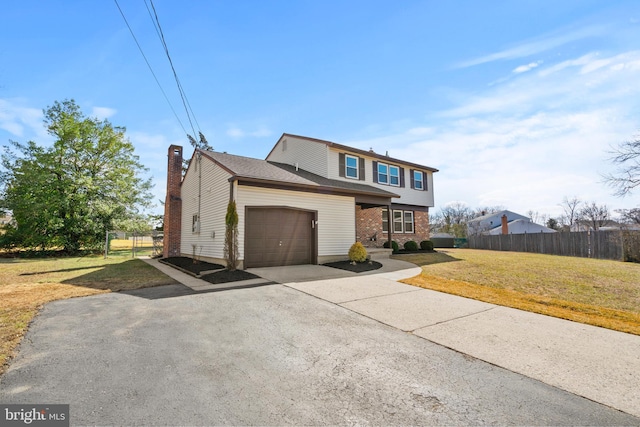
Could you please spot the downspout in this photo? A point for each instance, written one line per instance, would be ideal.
(199, 164)
(389, 225)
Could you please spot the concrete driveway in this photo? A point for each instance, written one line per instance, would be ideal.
(269, 355)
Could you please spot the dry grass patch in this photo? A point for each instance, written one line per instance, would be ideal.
(25, 285)
(597, 292)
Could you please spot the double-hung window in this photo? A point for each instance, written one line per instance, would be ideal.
(383, 173)
(351, 166)
(385, 221)
(418, 180)
(402, 221)
(408, 221)
(397, 222)
(394, 175)
(388, 174)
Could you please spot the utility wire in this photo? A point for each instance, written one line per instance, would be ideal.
(183, 95)
(150, 68)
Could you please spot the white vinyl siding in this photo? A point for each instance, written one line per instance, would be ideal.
(311, 156)
(336, 215)
(213, 208)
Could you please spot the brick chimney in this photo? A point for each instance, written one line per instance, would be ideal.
(173, 204)
(505, 225)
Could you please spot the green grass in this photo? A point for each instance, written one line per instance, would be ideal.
(27, 284)
(599, 292)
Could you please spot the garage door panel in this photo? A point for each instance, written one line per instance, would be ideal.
(278, 236)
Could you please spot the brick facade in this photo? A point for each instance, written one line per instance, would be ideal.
(173, 204)
(369, 228)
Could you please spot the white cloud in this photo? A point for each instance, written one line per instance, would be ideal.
(529, 142)
(536, 46)
(19, 120)
(527, 67)
(103, 113)
(236, 132)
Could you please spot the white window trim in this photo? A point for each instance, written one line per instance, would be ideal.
(386, 175)
(404, 222)
(401, 222)
(416, 181)
(346, 167)
(391, 221)
(397, 168)
(385, 211)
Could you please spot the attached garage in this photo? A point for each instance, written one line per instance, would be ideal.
(277, 236)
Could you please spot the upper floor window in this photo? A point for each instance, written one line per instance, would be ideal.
(394, 175)
(383, 173)
(351, 166)
(418, 180)
(388, 174)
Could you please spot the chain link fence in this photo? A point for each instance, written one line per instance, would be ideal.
(138, 242)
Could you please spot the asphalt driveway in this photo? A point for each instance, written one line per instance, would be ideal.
(270, 355)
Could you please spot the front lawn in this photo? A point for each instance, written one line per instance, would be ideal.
(27, 284)
(597, 292)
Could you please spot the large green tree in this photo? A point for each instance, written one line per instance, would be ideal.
(69, 194)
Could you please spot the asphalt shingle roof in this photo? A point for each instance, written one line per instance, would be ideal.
(279, 173)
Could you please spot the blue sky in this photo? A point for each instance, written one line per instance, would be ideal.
(515, 102)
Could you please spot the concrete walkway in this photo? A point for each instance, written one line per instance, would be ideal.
(596, 363)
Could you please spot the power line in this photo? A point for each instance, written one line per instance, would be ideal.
(150, 68)
(183, 95)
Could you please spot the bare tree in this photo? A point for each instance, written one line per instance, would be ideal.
(453, 219)
(626, 156)
(629, 216)
(595, 215)
(571, 208)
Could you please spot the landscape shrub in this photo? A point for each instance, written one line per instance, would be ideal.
(426, 245)
(394, 245)
(357, 253)
(411, 246)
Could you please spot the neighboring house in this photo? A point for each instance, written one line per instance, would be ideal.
(505, 222)
(306, 203)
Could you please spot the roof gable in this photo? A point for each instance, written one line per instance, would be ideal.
(358, 151)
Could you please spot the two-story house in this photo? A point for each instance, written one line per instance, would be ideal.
(306, 203)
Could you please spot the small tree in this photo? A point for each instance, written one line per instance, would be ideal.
(231, 236)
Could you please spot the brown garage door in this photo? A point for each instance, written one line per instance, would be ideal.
(278, 236)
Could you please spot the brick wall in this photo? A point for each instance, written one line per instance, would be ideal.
(173, 204)
(369, 224)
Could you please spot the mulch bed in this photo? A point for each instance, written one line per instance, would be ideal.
(187, 264)
(221, 275)
(225, 276)
(359, 267)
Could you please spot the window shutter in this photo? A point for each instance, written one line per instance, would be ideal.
(375, 171)
(361, 171)
(401, 177)
(424, 181)
(411, 178)
(341, 164)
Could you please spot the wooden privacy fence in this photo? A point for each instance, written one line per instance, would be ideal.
(609, 244)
